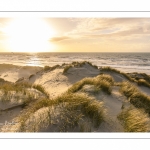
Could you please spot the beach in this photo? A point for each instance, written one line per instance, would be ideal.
(126, 62)
(73, 97)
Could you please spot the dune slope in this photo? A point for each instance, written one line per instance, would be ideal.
(76, 97)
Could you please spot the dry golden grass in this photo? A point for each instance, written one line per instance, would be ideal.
(20, 91)
(67, 68)
(107, 68)
(134, 120)
(74, 109)
(14, 87)
(103, 82)
(41, 89)
(143, 82)
(136, 97)
(78, 64)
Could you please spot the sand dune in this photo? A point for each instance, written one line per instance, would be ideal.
(55, 82)
(47, 107)
(12, 73)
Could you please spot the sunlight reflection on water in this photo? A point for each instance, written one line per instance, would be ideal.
(33, 61)
(129, 62)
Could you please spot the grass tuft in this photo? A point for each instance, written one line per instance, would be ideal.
(143, 82)
(134, 120)
(74, 108)
(67, 68)
(107, 68)
(41, 89)
(55, 67)
(137, 98)
(47, 68)
(89, 107)
(78, 64)
(103, 82)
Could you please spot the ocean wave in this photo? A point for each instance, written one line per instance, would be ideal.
(134, 61)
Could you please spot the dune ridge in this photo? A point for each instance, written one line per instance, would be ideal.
(75, 97)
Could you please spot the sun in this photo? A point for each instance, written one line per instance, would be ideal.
(29, 35)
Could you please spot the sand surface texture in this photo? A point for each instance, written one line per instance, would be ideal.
(43, 105)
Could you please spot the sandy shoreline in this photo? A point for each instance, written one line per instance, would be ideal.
(55, 82)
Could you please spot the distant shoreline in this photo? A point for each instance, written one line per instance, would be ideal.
(127, 62)
(126, 70)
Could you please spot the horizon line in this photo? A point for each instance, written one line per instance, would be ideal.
(73, 52)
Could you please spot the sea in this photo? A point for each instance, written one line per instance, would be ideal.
(127, 62)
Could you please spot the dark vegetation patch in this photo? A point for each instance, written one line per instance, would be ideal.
(2, 81)
(48, 68)
(139, 76)
(32, 75)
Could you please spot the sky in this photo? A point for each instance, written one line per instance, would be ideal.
(31, 34)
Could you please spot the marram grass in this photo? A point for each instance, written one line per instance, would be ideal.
(103, 82)
(73, 107)
(134, 120)
(135, 96)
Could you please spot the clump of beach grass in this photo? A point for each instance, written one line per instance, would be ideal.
(89, 106)
(143, 82)
(24, 84)
(103, 82)
(18, 87)
(28, 112)
(2, 81)
(37, 121)
(78, 64)
(135, 96)
(48, 68)
(73, 107)
(134, 120)
(107, 68)
(55, 67)
(16, 92)
(138, 76)
(41, 89)
(67, 68)
(89, 63)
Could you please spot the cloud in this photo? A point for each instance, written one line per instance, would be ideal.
(106, 28)
(60, 38)
(95, 25)
(139, 31)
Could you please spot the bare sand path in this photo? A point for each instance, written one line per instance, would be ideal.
(113, 104)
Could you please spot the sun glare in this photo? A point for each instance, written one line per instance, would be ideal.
(29, 35)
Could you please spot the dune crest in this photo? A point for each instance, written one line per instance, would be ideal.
(76, 97)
